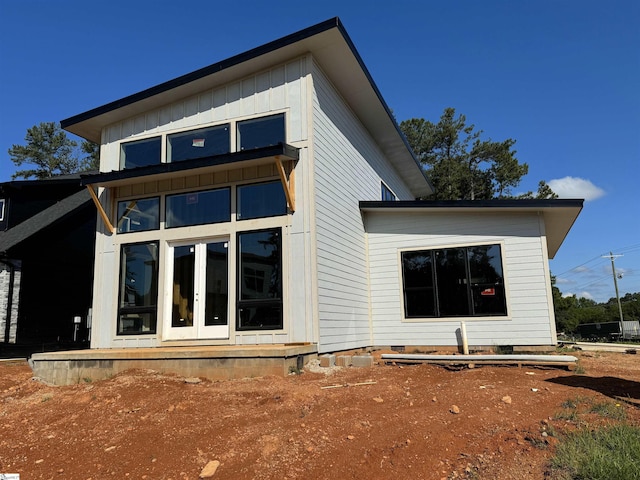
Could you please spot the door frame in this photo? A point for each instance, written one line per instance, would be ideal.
(198, 331)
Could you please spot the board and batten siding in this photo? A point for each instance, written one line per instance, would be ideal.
(348, 167)
(530, 319)
(283, 88)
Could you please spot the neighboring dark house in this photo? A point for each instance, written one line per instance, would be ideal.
(47, 237)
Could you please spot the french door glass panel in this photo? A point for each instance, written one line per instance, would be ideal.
(199, 307)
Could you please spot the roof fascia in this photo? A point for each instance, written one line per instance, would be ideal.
(323, 40)
(559, 214)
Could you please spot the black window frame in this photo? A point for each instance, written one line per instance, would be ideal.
(386, 195)
(257, 120)
(197, 192)
(185, 133)
(278, 209)
(273, 303)
(151, 309)
(123, 157)
(447, 297)
(119, 218)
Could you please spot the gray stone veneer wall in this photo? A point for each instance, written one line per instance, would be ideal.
(5, 287)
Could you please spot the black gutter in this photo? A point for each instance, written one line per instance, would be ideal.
(493, 203)
(291, 153)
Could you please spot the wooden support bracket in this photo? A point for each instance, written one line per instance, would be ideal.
(103, 214)
(288, 184)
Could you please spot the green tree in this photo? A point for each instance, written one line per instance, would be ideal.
(91, 160)
(51, 152)
(463, 166)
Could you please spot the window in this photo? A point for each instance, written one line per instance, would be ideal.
(204, 142)
(261, 132)
(198, 208)
(2, 204)
(260, 200)
(138, 293)
(140, 153)
(260, 280)
(139, 215)
(387, 194)
(453, 282)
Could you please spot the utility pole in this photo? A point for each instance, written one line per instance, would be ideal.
(615, 283)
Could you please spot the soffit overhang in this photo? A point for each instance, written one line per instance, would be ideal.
(336, 55)
(559, 215)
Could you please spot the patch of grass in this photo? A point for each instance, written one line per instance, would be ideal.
(579, 370)
(46, 397)
(87, 380)
(609, 410)
(604, 454)
(569, 415)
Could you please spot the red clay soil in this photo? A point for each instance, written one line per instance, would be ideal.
(398, 425)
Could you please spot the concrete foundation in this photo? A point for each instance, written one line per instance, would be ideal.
(214, 363)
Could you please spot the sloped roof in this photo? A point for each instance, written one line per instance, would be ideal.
(559, 214)
(331, 48)
(42, 220)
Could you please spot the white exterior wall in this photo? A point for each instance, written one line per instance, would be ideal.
(348, 167)
(279, 89)
(530, 319)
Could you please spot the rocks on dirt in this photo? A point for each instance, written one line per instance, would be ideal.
(209, 469)
(506, 399)
(454, 409)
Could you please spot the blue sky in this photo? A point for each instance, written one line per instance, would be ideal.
(561, 77)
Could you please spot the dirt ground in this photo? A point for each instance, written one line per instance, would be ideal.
(389, 421)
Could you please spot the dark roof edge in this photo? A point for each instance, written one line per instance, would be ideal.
(494, 203)
(205, 71)
(353, 49)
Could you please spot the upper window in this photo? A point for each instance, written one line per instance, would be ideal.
(260, 200)
(140, 153)
(261, 132)
(2, 204)
(387, 194)
(454, 282)
(138, 296)
(204, 142)
(198, 208)
(139, 215)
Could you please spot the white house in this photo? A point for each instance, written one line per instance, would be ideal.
(270, 199)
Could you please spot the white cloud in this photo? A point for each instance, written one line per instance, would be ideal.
(584, 294)
(573, 187)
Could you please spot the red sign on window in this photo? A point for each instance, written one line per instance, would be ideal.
(487, 292)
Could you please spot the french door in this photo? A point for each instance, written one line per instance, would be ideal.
(198, 307)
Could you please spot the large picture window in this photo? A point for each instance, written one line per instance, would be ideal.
(454, 282)
(139, 215)
(204, 142)
(198, 208)
(138, 292)
(260, 200)
(260, 280)
(140, 153)
(261, 132)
